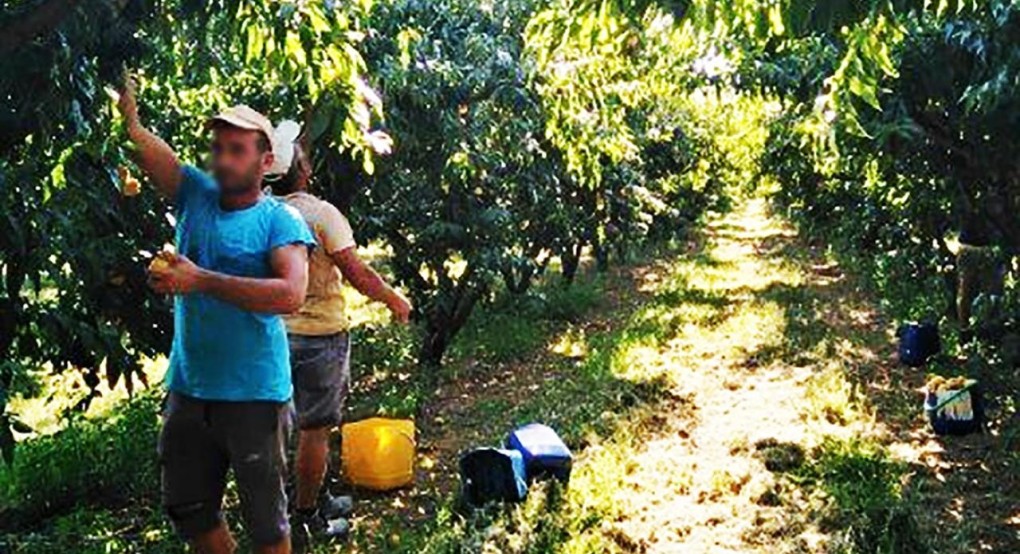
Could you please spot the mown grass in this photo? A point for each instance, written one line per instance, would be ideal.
(857, 489)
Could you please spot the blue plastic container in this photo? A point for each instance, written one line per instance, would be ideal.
(545, 453)
(493, 475)
(918, 342)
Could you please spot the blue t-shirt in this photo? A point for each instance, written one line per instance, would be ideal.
(220, 351)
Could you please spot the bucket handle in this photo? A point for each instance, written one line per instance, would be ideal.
(409, 437)
(970, 384)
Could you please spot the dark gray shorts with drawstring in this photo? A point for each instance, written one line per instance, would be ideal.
(321, 372)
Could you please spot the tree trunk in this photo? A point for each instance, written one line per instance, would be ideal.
(949, 278)
(570, 260)
(601, 256)
(442, 325)
(517, 282)
(10, 308)
(434, 344)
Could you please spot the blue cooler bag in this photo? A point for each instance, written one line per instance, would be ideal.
(918, 342)
(492, 474)
(544, 452)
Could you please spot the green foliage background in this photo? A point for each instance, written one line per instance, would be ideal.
(485, 184)
(488, 144)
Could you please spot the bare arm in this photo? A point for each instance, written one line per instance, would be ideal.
(282, 293)
(365, 279)
(153, 154)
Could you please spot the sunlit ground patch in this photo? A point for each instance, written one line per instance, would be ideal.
(571, 343)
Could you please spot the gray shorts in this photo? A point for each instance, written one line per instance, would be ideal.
(200, 441)
(321, 371)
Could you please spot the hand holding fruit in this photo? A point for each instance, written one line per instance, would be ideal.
(171, 273)
(162, 260)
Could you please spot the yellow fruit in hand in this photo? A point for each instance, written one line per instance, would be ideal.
(161, 261)
(131, 187)
(935, 383)
(159, 264)
(956, 383)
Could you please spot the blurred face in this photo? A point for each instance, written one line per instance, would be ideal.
(239, 159)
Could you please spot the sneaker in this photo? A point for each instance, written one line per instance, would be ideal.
(336, 528)
(306, 530)
(300, 535)
(332, 507)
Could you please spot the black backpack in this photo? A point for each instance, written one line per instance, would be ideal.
(492, 474)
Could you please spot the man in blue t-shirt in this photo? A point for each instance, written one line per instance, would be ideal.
(242, 260)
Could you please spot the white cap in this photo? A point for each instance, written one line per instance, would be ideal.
(283, 139)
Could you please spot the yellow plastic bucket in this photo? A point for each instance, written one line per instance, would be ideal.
(378, 453)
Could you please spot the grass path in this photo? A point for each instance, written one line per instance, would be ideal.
(695, 490)
(707, 487)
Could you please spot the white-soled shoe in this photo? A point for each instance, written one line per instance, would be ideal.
(333, 507)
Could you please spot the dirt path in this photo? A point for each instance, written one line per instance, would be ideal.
(791, 358)
(700, 490)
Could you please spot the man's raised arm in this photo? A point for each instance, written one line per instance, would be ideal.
(282, 293)
(153, 155)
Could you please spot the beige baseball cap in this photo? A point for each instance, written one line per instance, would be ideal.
(245, 118)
